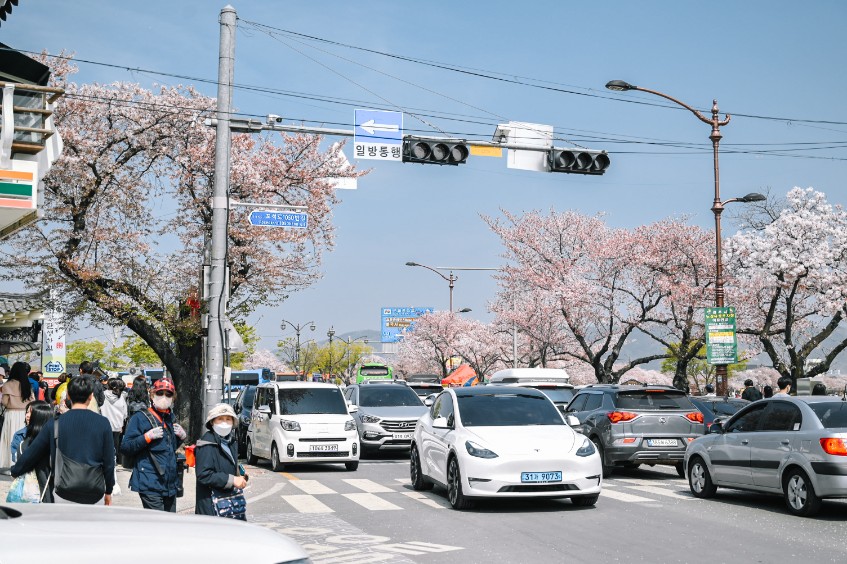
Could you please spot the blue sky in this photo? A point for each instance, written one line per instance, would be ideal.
(762, 59)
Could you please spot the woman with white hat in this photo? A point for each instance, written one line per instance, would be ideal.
(220, 479)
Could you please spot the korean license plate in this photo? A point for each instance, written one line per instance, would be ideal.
(661, 443)
(540, 477)
(323, 448)
(402, 436)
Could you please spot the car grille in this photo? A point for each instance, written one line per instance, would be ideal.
(338, 453)
(406, 426)
(538, 488)
(323, 440)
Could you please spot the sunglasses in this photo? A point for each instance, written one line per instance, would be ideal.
(165, 393)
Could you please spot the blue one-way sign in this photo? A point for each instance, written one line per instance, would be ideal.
(378, 135)
(266, 218)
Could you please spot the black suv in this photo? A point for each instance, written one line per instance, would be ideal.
(243, 407)
(634, 425)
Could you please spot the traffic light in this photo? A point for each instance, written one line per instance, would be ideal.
(578, 161)
(434, 151)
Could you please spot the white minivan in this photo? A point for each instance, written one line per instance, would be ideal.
(555, 383)
(302, 422)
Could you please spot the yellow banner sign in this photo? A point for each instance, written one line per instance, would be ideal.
(482, 151)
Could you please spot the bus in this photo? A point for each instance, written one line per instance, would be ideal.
(374, 371)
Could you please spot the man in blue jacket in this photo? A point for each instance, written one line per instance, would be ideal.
(152, 438)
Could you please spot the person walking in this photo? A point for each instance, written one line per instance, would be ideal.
(216, 462)
(767, 392)
(784, 385)
(750, 392)
(86, 447)
(138, 398)
(115, 410)
(58, 392)
(38, 414)
(86, 368)
(16, 393)
(152, 438)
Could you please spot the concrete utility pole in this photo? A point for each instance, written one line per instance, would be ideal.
(220, 212)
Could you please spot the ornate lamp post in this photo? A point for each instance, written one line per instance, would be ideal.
(330, 334)
(297, 329)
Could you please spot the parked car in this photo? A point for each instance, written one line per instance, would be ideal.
(634, 425)
(424, 384)
(386, 414)
(498, 441)
(790, 446)
(243, 407)
(717, 408)
(553, 382)
(301, 422)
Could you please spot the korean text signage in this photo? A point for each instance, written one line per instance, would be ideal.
(395, 320)
(378, 135)
(721, 340)
(267, 218)
(53, 344)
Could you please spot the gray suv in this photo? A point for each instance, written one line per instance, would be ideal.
(634, 425)
(386, 415)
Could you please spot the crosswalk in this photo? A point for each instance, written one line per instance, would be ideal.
(318, 497)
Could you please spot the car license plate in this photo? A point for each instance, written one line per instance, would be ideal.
(540, 477)
(403, 436)
(323, 448)
(661, 442)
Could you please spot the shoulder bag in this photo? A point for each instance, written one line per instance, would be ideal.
(76, 481)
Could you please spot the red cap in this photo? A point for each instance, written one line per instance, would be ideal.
(164, 384)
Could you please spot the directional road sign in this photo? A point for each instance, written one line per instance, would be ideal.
(268, 218)
(378, 135)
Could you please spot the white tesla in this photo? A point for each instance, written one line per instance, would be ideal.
(493, 441)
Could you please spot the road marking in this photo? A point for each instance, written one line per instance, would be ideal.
(350, 557)
(289, 476)
(404, 481)
(664, 492)
(372, 502)
(307, 504)
(625, 497)
(312, 487)
(368, 486)
(275, 488)
(423, 499)
(637, 482)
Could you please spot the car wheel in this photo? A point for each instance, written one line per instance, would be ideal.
(251, 458)
(607, 469)
(800, 496)
(276, 464)
(680, 469)
(455, 495)
(699, 479)
(585, 500)
(419, 483)
(352, 466)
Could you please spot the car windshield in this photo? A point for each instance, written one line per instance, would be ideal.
(725, 407)
(833, 414)
(653, 399)
(385, 396)
(249, 396)
(557, 395)
(300, 401)
(507, 410)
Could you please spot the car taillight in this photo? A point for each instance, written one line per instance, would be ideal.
(618, 416)
(695, 416)
(834, 446)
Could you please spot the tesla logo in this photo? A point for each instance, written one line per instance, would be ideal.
(663, 420)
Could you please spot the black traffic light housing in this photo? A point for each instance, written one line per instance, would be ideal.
(435, 151)
(577, 161)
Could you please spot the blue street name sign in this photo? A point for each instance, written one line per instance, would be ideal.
(378, 135)
(268, 218)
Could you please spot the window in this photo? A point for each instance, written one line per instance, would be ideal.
(781, 416)
(833, 415)
(388, 396)
(435, 411)
(447, 409)
(505, 409)
(577, 403)
(301, 401)
(748, 420)
(653, 399)
(247, 397)
(593, 402)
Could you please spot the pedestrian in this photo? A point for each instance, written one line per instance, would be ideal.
(784, 385)
(85, 440)
(216, 464)
(819, 389)
(767, 391)
(16, 394)
(38, 414)
(138, 398)
(20, 434)
(87, 368)
(59, 391)
(115, 409)
(750, 392)
(152, 438)
(710, 390)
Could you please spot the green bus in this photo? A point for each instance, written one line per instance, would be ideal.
(374, 371)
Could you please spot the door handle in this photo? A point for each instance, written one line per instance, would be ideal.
(785, 442)
(744, 441)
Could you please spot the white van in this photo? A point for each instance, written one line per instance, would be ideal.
(552, 382)
(302, 422)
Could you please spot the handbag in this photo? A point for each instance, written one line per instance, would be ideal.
(76, 481)
(233, 506)
(24, 489)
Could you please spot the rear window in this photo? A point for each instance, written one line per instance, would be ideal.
(301, 401)
(387, 396)
(646, 399)
(374, 371)
(249, 396)
(557, 395)
(833, 415)
(507, 410)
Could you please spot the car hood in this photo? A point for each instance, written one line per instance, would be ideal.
(395, 412)
(74, 530)
(525, 440)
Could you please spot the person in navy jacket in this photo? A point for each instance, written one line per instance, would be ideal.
(217, 459)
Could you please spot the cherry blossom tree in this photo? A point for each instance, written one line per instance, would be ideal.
(480, 345)
(793, 273)
(264, 358)
(431, 343)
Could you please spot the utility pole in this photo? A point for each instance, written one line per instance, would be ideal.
(217, 286)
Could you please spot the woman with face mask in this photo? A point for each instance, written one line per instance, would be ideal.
(219, 476)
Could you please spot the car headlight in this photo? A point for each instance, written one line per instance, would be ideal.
(370, 419)
(587, 448)
(349, 425)
(478, 451)
(289, 425)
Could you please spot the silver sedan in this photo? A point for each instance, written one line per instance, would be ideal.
(792, 446)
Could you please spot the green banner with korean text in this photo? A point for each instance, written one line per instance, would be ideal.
(721, 340)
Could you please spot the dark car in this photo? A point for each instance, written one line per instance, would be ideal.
(717, 407)
(424, 384)
(243, 407)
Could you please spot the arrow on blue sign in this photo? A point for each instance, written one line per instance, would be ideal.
(265, 218)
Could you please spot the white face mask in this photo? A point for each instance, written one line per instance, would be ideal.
(222, 429)
(162, 403)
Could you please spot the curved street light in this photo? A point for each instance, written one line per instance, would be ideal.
(717, 206)
(330, 334)
(297, 329)
(450, 280)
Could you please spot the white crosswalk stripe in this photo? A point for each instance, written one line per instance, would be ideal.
(368, 486)
(312, 487)
(674, 493)
(372, 502)
(307, 504)
(622, 496)
(424, 499)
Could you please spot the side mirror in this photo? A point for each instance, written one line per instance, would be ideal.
(716, 428)
(440, 423)
(352, 408)
(428, 402)
(264, 409)
(574, 423)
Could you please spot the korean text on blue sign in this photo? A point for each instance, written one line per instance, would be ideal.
(395, 320)
(279, 219)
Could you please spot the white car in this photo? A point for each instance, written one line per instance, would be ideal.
(498, 441)
(302, 422)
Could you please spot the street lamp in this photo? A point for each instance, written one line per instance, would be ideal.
(350, 341)
(297, 329)
(717, 206)
(450, 280)
(330, 334)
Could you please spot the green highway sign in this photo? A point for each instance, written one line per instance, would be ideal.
(721, 340)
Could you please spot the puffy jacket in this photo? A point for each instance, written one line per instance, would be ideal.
(114, 409)
(216, 467)
(145, 478)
